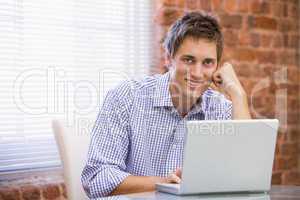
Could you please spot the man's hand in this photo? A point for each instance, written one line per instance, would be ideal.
(174, 177)
(226, 79)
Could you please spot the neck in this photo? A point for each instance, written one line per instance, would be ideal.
(181, 101)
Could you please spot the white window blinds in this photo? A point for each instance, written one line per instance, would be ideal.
(57, 60)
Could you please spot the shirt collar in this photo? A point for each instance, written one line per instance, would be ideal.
(162, 96)
(202, 103)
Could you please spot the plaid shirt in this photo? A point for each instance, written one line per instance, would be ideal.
(139, 132)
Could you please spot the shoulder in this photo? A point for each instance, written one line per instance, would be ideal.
(129, 89)
(216, 98)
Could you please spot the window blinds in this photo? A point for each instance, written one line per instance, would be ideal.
(57, 60)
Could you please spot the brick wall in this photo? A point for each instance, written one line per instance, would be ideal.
(262, 41)
(34, 187)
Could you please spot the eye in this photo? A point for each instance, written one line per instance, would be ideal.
(188, 60)
(208, 62)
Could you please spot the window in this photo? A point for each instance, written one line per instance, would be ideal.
(57, 60)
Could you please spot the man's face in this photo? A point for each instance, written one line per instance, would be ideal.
(193, 66)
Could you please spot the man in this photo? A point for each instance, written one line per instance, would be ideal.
(138, 137)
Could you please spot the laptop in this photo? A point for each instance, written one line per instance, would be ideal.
(227, 156)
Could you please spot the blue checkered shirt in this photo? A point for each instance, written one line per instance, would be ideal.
(139, 132)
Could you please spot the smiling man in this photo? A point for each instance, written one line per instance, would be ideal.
(138, 137)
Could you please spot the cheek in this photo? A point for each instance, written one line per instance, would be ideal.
(181, 69)
(207, 75)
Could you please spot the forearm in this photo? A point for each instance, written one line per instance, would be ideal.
(240, 107)
(132, 184)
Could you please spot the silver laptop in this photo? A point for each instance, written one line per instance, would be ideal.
(227, 156)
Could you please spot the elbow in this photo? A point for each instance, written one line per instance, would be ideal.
(96, 183)
(94, 190)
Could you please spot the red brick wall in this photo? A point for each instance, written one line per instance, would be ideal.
(50, 186)
(262, 42)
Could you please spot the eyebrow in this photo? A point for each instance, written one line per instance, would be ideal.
(188, 56)
(210, 59)
(193, 57)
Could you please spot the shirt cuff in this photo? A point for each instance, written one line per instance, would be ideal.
(106, 181)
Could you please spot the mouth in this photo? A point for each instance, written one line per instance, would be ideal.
(194, 83)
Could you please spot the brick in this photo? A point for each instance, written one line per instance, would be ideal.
(243, 70)
(277, 9)
(294, 41)
(292, 162)
(288, 148)
(192, 4)
(166, 16)
(257, 102)
(285, 40)
(277, 41)
(266, 57)
(280, 164)
(276, 150)
(175, 3)
(293, 89)
(9, 193)
(294, 104)
(257, 71)
(294, 11)
(285, 25)
(243, 6)
(254, 39)
(291, 177)
(293, 75)
(293, 118)
(227, 54)
(281, 138)
(276, 178)
(231, 21)
(285, 10)
(230, 38)
(262, 22)
(268, 71)
(230, 6)
(51, 191)
(244, 38)
(269, 102)
(266, 40)
(260, 7)
(216, 5)
(287, 58)
(30, 192)
(205, 5)
(245, 55)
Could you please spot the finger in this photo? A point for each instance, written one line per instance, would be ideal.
(217, 81)
(173, 178)
(178, 172)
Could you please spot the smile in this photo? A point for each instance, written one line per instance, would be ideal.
(194, 83)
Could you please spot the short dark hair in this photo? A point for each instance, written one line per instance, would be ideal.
(199, 25)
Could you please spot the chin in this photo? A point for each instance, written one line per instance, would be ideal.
(192, 92)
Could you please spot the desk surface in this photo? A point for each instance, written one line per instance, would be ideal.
(276, 193)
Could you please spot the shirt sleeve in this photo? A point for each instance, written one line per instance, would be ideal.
(105, 167)
(228, 110)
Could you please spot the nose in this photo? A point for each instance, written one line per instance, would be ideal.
(196, 72)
